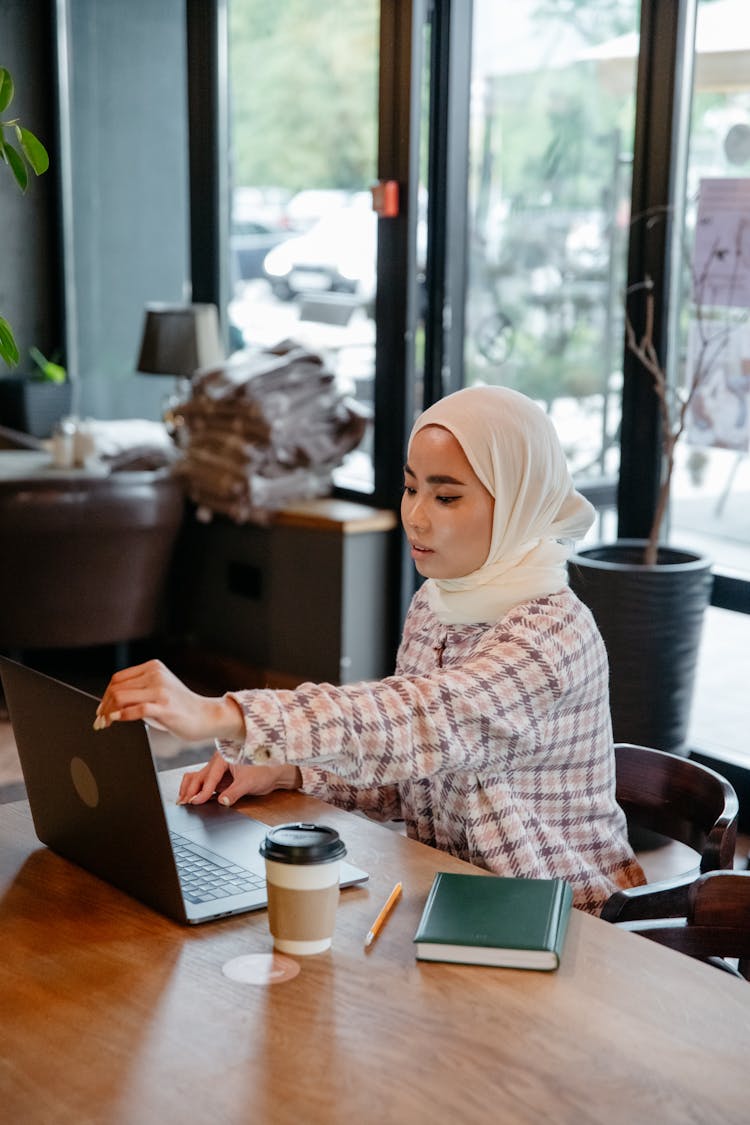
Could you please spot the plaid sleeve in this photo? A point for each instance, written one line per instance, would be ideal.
(374, 734)
(380, 802)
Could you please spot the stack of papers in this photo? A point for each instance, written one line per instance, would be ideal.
(265, 429)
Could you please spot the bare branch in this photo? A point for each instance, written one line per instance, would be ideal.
(674, 403)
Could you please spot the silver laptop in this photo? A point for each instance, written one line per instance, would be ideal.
(95, 799)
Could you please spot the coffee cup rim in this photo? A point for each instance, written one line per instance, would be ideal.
(305, 843)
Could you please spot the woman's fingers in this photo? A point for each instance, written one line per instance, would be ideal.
(199, 786)
(123, 712)
(152, 693)
(133, 693)
(233, 782)
(254, 781)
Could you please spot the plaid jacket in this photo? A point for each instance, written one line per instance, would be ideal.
(493, 743)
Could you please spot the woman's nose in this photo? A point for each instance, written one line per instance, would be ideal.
(414, 514)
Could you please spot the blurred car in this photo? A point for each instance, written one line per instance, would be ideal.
(304, 209)
(264, 204)
(338, 255)
(250, 241)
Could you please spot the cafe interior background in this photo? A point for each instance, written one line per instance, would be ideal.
(225, 152)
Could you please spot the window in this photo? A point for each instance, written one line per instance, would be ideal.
(550, 159)
(303, 156)
(710, 507)
(711, 492)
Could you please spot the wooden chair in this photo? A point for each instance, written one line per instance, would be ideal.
(717, 924)
(683, 801)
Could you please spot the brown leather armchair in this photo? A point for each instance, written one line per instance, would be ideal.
(84, 560)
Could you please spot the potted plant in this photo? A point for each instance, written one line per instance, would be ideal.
(649, 599)
(31, 402)
(34, 402)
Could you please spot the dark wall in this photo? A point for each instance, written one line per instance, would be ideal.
(126, 174)
(106, 230)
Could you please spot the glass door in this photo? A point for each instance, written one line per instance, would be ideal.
(551, 120)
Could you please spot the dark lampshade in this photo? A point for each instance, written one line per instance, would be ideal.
(179, 339)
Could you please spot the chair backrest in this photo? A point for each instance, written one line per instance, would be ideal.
(717, 924)
(678, 798)
(85, 560)
(684, 801)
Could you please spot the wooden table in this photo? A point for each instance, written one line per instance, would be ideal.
(110, 1013)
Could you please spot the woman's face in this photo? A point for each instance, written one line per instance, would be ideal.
(445, 509)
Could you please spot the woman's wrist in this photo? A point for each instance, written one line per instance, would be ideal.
(230, 721)
(290, 777)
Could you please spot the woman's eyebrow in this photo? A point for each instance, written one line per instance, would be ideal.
(436, 478)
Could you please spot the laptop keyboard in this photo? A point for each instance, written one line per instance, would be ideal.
(205, 876)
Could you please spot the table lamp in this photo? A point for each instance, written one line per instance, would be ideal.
(178, 340)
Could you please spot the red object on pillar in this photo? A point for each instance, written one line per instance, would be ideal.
(385, 198)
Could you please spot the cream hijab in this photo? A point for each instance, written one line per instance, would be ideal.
(515, 452)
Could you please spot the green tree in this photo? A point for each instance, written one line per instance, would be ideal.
(594, 20)
(304, 80)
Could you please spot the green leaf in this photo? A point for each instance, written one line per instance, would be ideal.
(8, 346)
(34, 150)
(6, 89)
(52, 372)
(17, 166)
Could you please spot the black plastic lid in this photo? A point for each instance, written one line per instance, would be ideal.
(302, 843)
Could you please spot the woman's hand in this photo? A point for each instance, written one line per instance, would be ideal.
(151, 692)
(230, 782)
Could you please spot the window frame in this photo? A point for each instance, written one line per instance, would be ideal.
(663, 69)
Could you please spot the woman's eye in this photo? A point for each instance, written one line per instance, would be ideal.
(447, 499)
(408, 490)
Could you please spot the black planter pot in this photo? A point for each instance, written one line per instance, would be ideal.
(33, 406)
(650, 618)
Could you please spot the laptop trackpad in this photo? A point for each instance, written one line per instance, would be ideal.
(221, 830)
(235, 836)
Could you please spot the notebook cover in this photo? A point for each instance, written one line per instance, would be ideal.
(494, 920)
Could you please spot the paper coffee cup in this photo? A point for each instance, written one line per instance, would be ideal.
(302, 874)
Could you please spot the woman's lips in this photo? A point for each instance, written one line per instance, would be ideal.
(418, 551)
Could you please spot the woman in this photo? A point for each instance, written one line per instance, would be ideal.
(493, 739)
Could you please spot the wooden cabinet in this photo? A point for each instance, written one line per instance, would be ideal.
(308, 597)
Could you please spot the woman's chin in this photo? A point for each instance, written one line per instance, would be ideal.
(426, 567)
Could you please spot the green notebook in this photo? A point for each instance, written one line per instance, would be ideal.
(494, 920)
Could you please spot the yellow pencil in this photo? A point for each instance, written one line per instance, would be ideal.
(374, 930)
